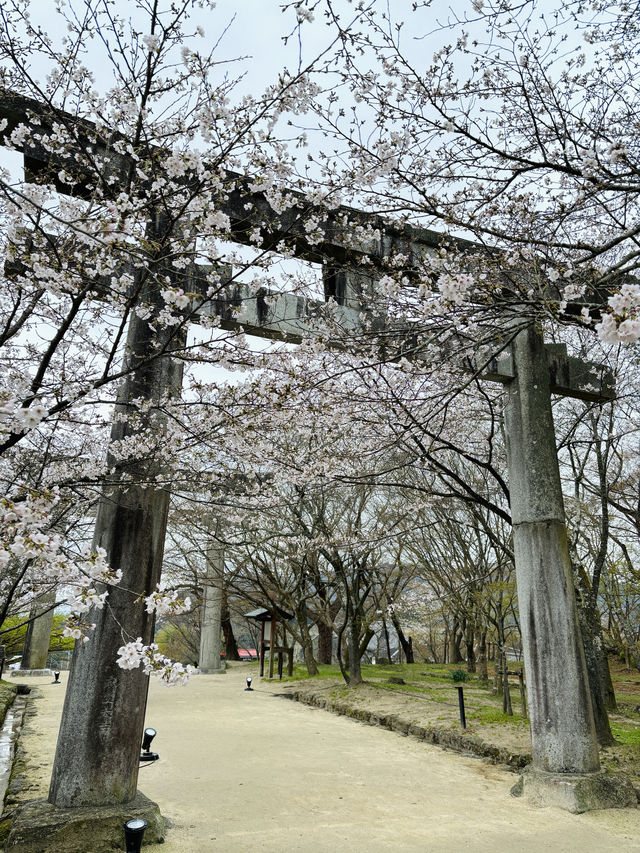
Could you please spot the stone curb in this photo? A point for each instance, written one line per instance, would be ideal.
(18, 779)
(447, 738)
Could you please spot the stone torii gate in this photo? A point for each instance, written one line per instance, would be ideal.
(97, 756)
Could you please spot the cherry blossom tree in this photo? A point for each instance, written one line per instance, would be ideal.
(129, 134)
(509, 123)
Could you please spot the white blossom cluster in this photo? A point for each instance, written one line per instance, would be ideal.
(134, 654)
(23, 532)
(24, 535)
(166, 604)
(176, 296)
(455, 288)
(622, 323)
(17, 418)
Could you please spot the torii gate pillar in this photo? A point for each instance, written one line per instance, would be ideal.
(98, 750)
(566, 767)
(36, 644)
(211, 624)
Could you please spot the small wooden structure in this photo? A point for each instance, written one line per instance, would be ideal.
(268, 620)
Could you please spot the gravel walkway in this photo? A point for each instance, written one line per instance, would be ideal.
(248, 771)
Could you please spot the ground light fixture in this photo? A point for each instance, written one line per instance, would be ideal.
(56, 677)
(133, 832)
(249, 680)
(149, 735)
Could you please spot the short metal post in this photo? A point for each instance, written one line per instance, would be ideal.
(463, 719)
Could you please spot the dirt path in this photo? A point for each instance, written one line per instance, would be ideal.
(251, 772)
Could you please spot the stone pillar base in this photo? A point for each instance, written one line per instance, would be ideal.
(574, 792)
(210, 671)
(35, 826)
(19, 673)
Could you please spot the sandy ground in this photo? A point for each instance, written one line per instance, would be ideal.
(242, 771)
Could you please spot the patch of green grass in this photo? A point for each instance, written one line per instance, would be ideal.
(300, 672)
(630, 698)
(401, 688)
(414, 672)
(626, 735)
(487, 714)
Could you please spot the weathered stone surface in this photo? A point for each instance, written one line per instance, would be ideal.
(416, 731)
(36, 644)
(211, 627)
(36, 826)
(563, 733)
(96, 761)
(575, 792)
(7, 695)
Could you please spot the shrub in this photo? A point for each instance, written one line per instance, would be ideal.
(459, 675)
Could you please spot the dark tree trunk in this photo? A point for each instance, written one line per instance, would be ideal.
(305, 640)
(455, 639)
(609, 692)
(406, 644)
(355, 673)
(469, 641)
(433, 647)
(597, 668)
(387, 641)
(452, 643)
(325, 640)
(504, 670)
(230, 645)
(342, 653)
(506, 693)
(483, 673)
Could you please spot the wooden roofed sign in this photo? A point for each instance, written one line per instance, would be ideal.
(561, 716)
(269, 619)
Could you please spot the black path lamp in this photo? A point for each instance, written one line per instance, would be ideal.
(56, 677)
(133, 832)
(249, 680)
(149, 735)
